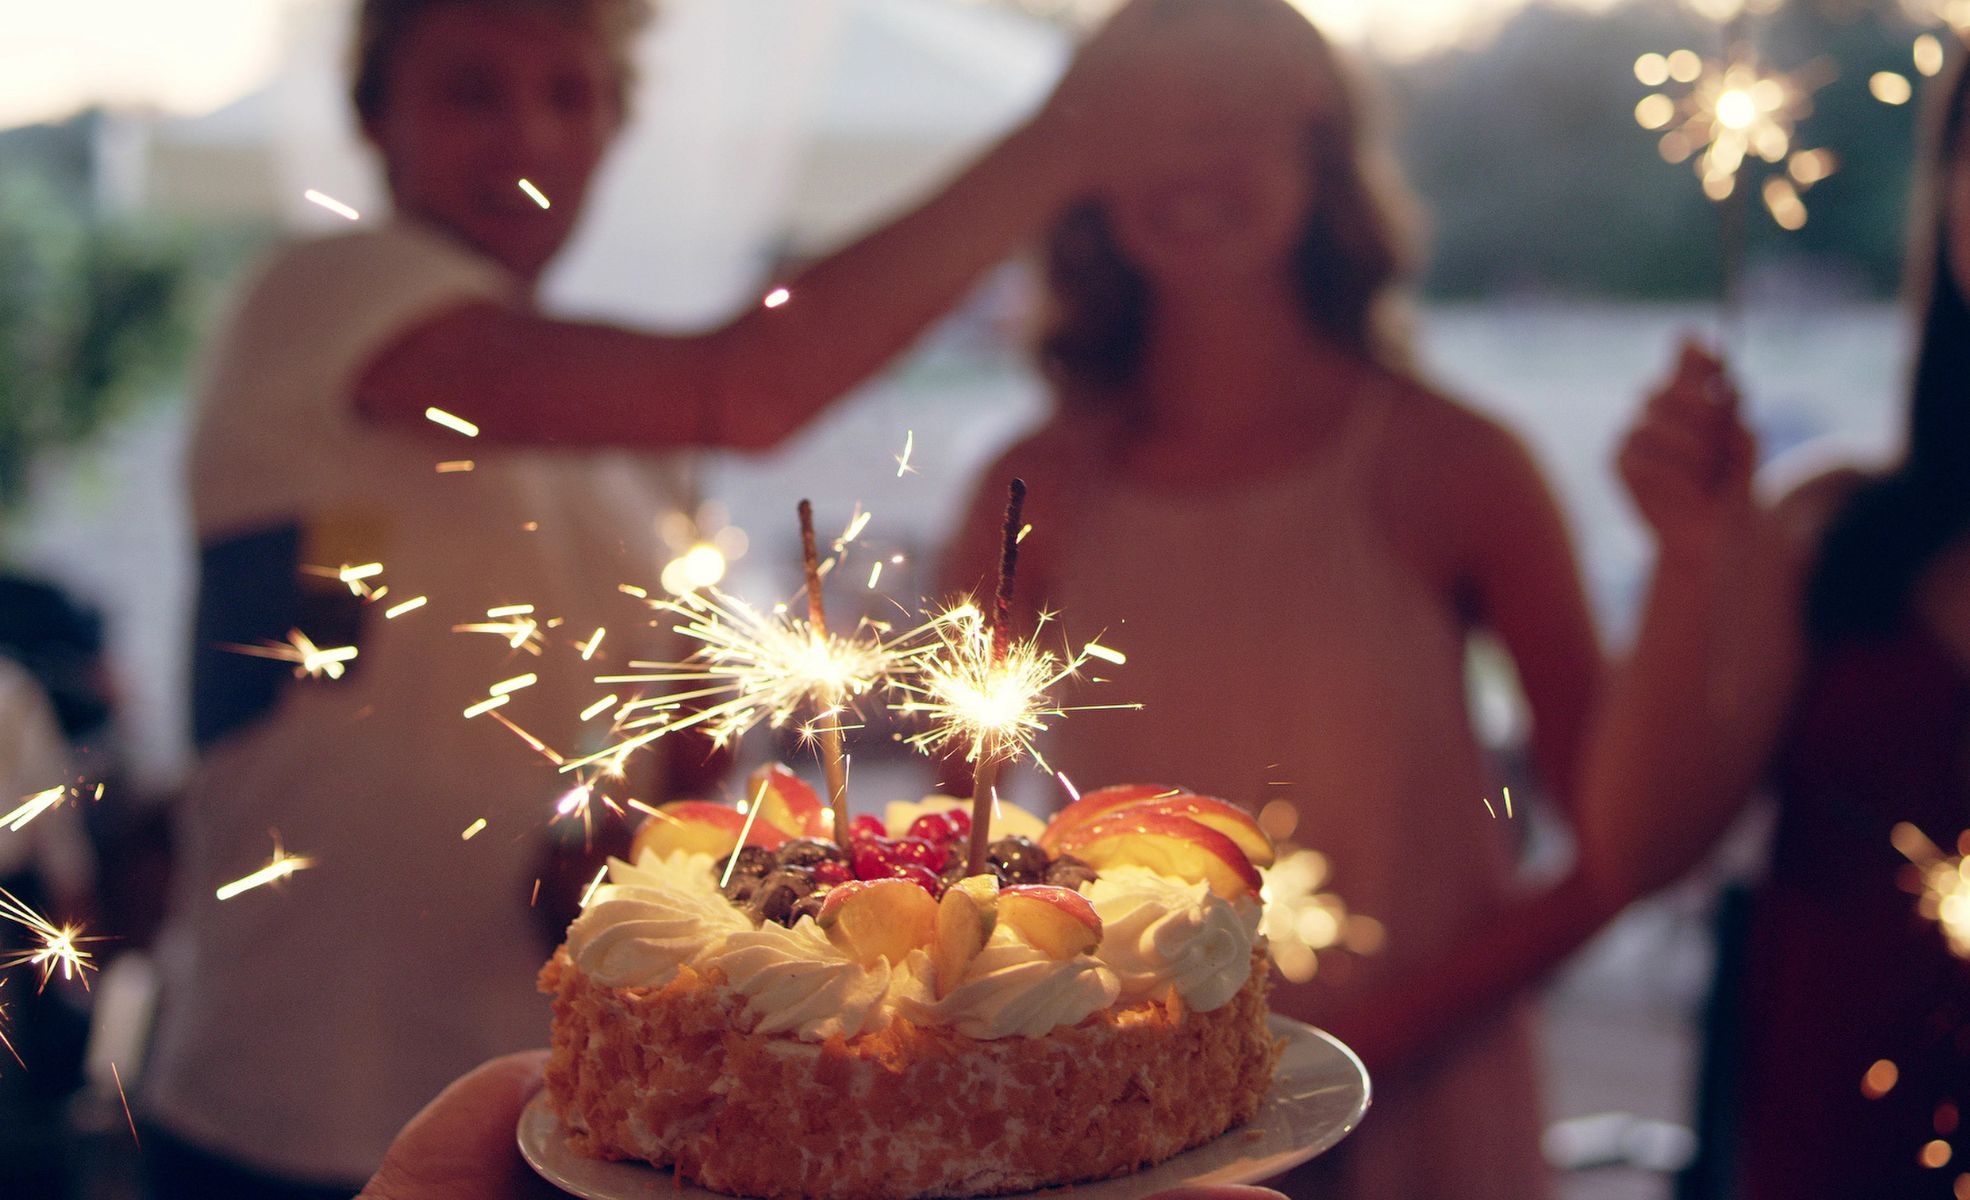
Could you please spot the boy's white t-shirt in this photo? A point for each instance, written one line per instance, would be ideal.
(304, 1022)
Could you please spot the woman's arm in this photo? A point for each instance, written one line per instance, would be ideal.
(524, 378)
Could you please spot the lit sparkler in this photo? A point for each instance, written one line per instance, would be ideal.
(1731, 113)
(60, 946)
(310, 661)
(1942, 883)
(982, 706)
(755, 666)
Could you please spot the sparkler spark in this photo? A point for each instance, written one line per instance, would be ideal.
(60, 948)
(282, 865)
(533, 193)
(903, 466)
(331, 204)
(1942, 885)
(411, 605)
(777, 297)
(990, 706)
(439, 416)
(310, 661)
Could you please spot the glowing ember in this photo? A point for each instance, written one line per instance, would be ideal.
(473, 830)
(533, 193)
(411, 605)
(777, 297)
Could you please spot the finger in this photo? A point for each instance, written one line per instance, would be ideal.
(462, 1143)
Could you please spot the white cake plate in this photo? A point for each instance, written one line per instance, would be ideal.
(1318, 1095)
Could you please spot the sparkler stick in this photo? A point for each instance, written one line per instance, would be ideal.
(830, 731)
(985, 778)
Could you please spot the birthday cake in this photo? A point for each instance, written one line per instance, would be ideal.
(774, 1014)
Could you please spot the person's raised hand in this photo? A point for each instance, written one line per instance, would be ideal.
(463, 1145)
(1688, 460)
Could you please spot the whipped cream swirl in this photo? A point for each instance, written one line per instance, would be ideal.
(1013, 989)
(796, 981)
(652, 918)
(1160, 932)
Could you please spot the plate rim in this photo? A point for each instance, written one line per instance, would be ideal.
(538, 1112)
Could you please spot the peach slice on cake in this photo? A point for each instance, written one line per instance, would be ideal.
(966, 917)
(874, 919)
(1057, 921)
(701, 827)
(1170, 844)
(1223, 816)
(786, 800)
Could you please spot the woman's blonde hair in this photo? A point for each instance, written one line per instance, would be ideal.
(382, 26)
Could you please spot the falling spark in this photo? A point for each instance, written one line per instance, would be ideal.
(588, 648)
(511, 610)
(856, 525)
(520, 634)
(472, 830)
(589, 893)
(507, 687)
(903, 466)
(411, 605)
(331, 204)
(987, 705)
(875, 573)
(1942, 884)
(1508, 804)
(1486, 801)
(283, 865)
(596, 709)
(128, 1119)
(1023, 531)
(777, 297)
(533, 193)
(354, 575)
(61, 945)
(456, 465)
(630, 589)
(745, 832)
(32, 807)
(533, 743)
(439, 416)
(486, 706)
(4, 1043)
(310, 661)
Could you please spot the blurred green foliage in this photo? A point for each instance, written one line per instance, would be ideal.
(1536, 177)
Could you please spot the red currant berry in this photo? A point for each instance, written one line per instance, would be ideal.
(866, 826)
(920, 852)
(960, 822)
(832, 873)
(870, 859)
(923, 877)
(933, 828)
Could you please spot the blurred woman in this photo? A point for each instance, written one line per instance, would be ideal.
(1295, 539)
(1820, 647)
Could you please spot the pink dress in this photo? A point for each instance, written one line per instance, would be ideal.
(1281, 649)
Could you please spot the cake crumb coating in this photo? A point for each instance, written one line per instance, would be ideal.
(668, 1075)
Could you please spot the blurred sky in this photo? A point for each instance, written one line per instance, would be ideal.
(191, 56)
